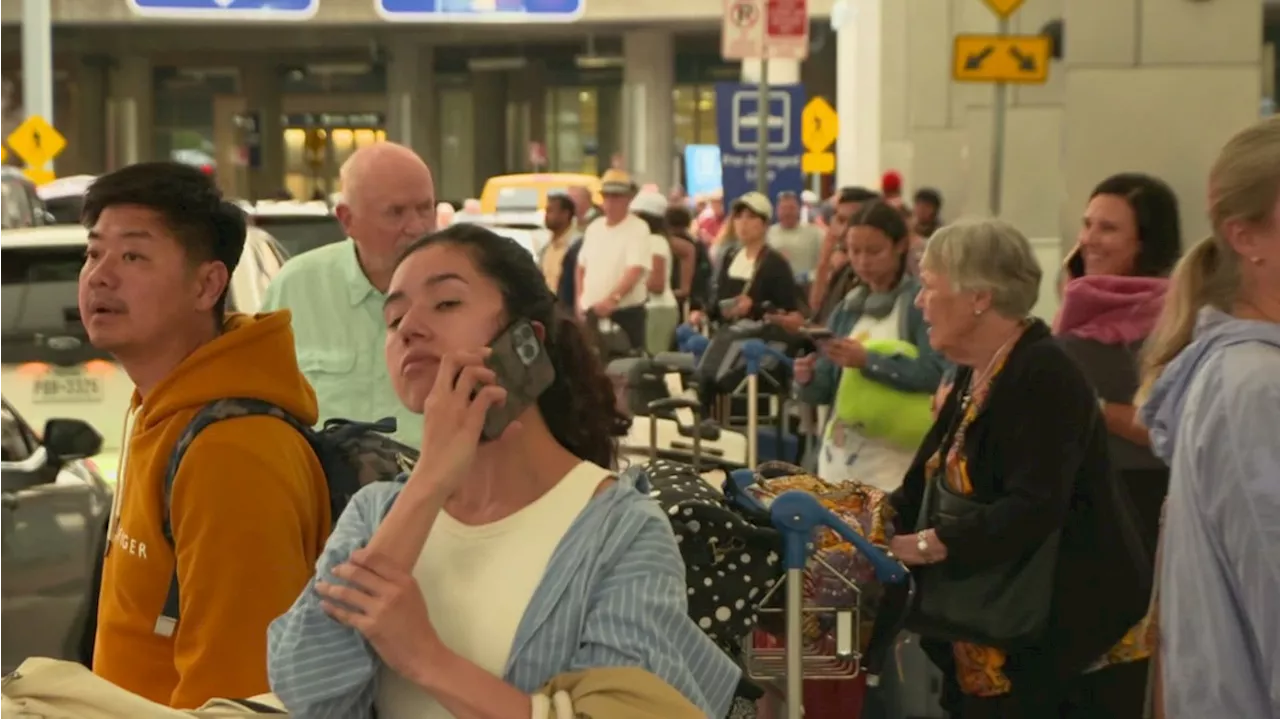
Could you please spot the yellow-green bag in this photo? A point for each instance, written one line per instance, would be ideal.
(880, 411)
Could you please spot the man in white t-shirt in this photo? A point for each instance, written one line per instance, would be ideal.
(616, 255)
(799, 242)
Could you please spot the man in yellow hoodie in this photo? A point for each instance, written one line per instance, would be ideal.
(249, 505)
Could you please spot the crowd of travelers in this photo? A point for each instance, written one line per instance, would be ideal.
(1126, 450)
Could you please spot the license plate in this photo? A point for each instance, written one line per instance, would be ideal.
(70, 387)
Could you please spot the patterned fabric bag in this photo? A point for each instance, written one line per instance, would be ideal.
(862, 507)
(730, 562)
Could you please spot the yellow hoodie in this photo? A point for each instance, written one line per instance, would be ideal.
(250, 514)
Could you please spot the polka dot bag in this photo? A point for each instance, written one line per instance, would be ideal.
(730, 561)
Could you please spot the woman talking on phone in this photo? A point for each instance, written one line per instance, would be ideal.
(511, 558)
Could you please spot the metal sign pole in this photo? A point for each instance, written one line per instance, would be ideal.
(762, 131)
(998, 111)
(37, 61)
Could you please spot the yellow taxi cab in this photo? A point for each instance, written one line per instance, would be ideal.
(528, 192)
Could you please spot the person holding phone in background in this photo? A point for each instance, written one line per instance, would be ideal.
(516, 556)
(753, 273)
(876, 366)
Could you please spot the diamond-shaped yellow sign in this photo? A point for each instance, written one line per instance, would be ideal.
(36, 142)
(39, 176)
(4, 154)
(1003, 8)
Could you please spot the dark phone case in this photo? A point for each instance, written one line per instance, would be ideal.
(521, 363)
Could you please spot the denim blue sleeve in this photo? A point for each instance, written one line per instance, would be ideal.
(639, 618)
(821, 390)
(1220, 569)
(319, 668)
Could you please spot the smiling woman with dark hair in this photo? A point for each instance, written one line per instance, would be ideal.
(500, 566)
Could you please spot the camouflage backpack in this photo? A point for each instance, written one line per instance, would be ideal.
(352, 455)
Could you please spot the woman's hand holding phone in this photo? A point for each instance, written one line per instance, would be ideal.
(453, 417)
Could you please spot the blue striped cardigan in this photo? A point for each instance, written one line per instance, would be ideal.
(613, 595)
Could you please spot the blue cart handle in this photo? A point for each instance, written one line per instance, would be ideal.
(797, 513)
(741, 479)
(695, 345)
(753, 351)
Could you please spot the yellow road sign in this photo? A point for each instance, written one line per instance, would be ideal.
(39, 176)
(36, 142)
(818, 163)
(1001, 58)
(819, 125)
(1003, 8)
(4, 154)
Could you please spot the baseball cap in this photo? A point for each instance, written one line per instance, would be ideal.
(757, 203)
(650, 202)
(617, 182)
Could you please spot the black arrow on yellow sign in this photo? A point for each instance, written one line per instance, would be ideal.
(974, 61)
(1026, 63)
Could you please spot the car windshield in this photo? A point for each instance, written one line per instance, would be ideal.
(17, 210)
(41, 316)
(300, 233)
(523, 199)
(65, 210)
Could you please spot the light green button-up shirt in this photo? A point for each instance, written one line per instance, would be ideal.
(339, 335)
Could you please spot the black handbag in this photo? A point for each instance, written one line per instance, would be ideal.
(1005, 606)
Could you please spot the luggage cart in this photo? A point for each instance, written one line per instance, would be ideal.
(797, 514)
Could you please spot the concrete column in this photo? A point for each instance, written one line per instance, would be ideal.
(489, 100)
(648, 114)
(1140, 96)
(130, 112)
(411, 98)
(858, 93)
(88, 148)
(264, 97)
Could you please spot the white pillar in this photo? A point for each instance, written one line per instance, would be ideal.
(411, 97)
(37, 61)
(1134, 83)
(858, 75)
(130, 112)
(648, 117)
(781, 72)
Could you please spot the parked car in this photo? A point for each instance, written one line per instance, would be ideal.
(48, 367)
(297, 226)
(56, 509)
(22, 207)
(64, 198)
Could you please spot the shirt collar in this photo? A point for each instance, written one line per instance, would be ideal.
(358, 286)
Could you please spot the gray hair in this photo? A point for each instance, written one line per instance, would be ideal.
(987, 255)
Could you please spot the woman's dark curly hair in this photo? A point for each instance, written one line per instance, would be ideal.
(579, 407)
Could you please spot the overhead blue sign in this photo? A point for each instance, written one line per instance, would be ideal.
(701, 169)
(262, 10)
(742, 126)
(480, 11)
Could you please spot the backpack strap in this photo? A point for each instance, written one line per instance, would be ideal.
(212, 413)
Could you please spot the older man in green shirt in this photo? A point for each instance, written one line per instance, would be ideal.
(336, 292)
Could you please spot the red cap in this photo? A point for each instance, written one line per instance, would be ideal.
(891, 183)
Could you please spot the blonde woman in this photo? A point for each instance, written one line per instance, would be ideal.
(1212, 383)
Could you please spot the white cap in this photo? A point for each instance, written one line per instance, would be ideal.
(650, 203)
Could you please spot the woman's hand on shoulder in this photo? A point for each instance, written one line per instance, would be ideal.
(453, 417)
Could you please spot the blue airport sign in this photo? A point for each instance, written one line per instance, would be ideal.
(739, 122)
(702, 169)
(259, 10)
(480, 11)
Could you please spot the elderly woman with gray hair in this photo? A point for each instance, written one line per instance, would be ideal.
(1029, 567)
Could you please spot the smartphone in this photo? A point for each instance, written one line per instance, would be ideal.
(767, 307)
(817, 334)
(520, 361)
(726, 306)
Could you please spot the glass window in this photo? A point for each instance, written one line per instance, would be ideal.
(573, 129)
(685, 102)
(707, 133)
(17, 207)
(40, 302)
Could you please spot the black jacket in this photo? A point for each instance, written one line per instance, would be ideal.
(774, 283)
(1038, 457)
